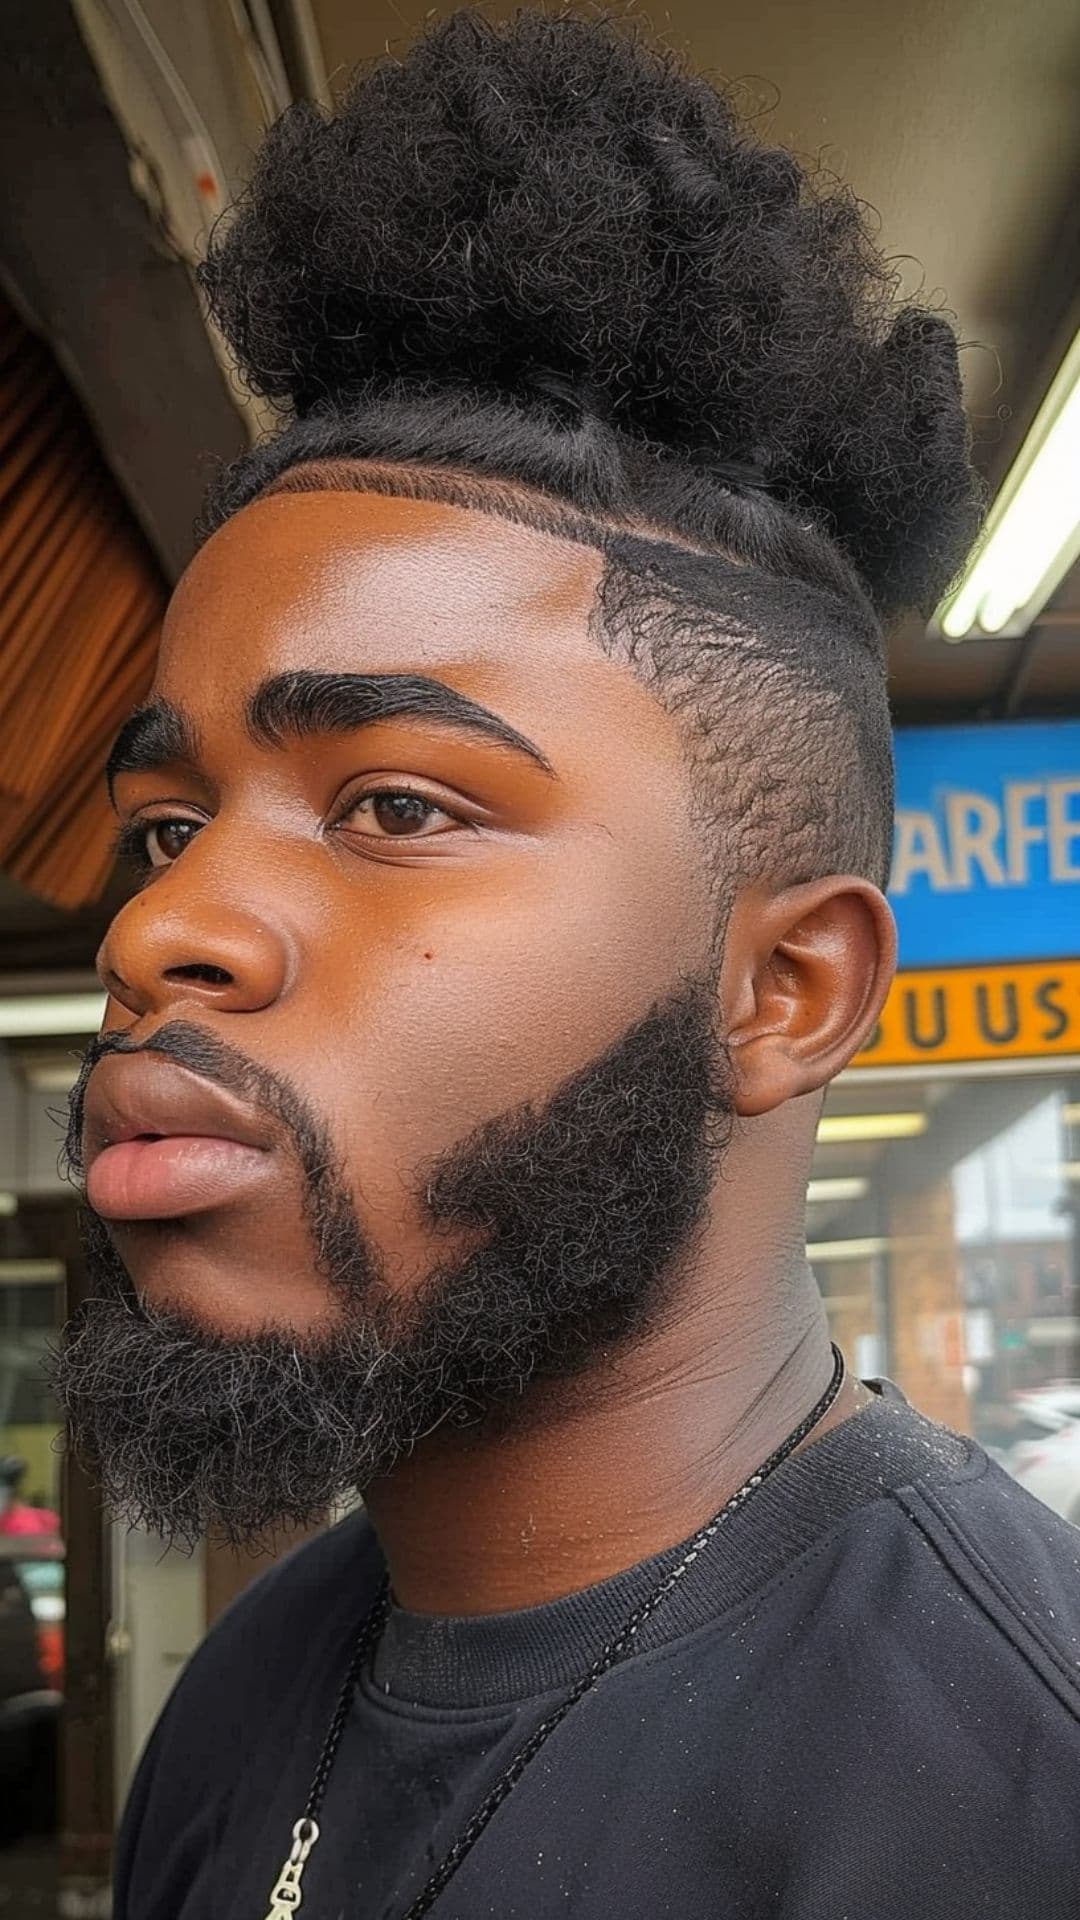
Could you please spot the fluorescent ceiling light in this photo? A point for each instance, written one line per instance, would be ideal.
(9, 1204)
(846, 1188)
(837, 1129)
(1032, 534)
(845, 1249)
(26, 1015)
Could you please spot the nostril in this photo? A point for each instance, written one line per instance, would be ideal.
(209, 976)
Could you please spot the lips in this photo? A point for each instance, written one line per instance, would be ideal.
(161, 1143)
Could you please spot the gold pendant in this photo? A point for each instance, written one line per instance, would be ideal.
(287, 1896)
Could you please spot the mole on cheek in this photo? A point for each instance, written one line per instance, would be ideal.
(429, 956)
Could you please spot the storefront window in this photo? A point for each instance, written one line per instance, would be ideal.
(33, 1569)
(56, 1787)
(942, 1223)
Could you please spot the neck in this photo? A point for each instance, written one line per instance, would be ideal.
(629, 1459)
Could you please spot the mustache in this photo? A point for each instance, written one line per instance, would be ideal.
(339, 1248)
(212, 1059)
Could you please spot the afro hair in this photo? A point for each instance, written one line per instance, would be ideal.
(553, 217)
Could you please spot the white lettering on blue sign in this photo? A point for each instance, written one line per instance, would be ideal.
(986, 863)
(974, 838)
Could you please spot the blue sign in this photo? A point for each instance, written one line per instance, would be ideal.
(986, 855)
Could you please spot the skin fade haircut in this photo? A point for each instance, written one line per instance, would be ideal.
(536, 246)
(538, 272)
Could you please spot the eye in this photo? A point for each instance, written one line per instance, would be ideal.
(398, 815)
(156, 843)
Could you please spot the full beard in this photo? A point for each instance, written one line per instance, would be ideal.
(581, 1208)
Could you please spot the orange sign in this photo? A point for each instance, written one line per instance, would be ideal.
(952, 1014)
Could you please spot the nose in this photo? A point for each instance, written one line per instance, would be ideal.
(162, 953)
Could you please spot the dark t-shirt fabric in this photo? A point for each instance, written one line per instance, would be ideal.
(861, 1703)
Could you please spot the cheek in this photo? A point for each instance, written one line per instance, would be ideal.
(473, 993)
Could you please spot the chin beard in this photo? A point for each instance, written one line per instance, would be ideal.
(582, 1208)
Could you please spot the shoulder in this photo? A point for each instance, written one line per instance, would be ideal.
(954, 1661)
(1016, 1561)
(973, 1530)
(921, 1558)
(959, 1575)
(984, 1527)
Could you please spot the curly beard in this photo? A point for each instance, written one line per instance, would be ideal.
(582, 1208)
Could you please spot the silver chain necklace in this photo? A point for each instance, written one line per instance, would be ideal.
(287, 1894)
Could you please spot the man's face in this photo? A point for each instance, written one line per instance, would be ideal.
(417, 917)
(416, 966)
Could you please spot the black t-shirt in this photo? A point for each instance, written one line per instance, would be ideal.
(861, 1703)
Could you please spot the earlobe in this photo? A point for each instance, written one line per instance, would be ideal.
(805, 976)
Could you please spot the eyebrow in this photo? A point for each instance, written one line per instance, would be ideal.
(300, 705)
(295, 706)
(156, 735)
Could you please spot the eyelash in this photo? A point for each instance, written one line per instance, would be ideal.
(129, 844)
(130, 838)
(337, 823)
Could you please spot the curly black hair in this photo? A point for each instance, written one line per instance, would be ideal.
(543, 253)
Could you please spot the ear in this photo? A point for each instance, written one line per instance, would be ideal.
(803, 982)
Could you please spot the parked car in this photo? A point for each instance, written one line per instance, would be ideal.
(41, 1570)
(1052, 1406)
(31, 1671)
(1049, 1467)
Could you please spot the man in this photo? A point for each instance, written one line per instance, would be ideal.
(17, 1516)
(512, 812)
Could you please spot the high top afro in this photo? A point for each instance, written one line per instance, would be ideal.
(514, 206)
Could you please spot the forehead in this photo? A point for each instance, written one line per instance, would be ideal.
(351, 581)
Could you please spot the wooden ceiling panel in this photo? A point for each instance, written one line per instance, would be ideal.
(81, 600)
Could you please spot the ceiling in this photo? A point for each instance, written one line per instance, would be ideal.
(72, 560)
(957, 124)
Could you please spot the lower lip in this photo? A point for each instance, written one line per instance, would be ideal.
(168, 1178)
